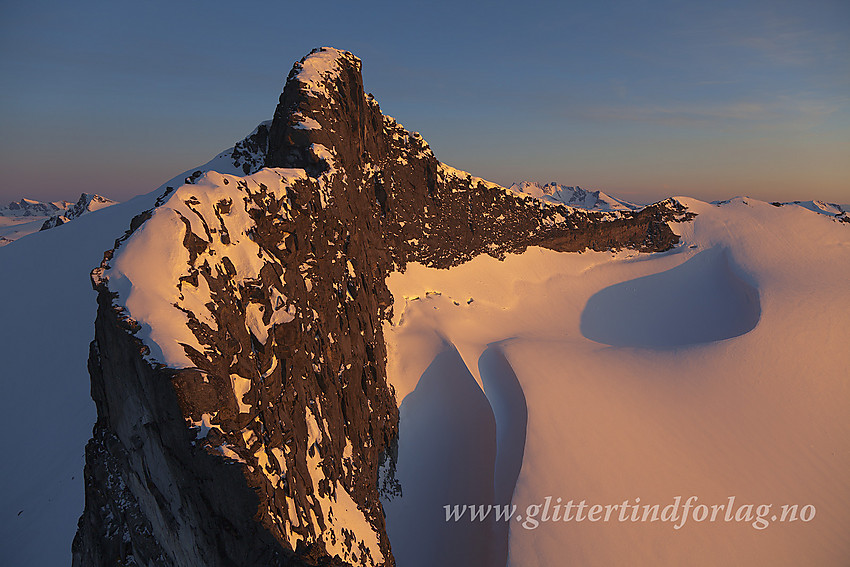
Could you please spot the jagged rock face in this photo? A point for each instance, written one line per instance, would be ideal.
(239, 366)
(152, 498)
(250, 153)
(428, 211)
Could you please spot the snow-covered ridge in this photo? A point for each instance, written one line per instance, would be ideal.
(449, 171)
(839, 212)
(572, 196)
(150, 270)
(667, 408)
(832, 210)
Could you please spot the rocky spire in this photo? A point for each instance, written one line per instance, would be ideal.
(243, 405)
(323, 108)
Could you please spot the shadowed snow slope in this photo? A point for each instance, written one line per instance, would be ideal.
(761, 416)
(46, 407)
(457, 447)
(507, 401)
(46, 324)
(699, 301)
(447, 455)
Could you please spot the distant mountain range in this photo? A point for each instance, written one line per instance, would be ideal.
(20, 218)
(573, 196)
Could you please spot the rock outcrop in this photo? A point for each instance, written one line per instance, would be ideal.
(85, 204)
(239, 366)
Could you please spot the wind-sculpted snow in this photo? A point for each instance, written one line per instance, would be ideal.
(752, 408)
(447, 454)
(458, 445)
(505, 396)
(700, 301)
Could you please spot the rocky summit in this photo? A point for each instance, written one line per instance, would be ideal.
(239, 363)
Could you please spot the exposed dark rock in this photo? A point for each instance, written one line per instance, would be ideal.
(153, 496)
(250, 153)
(53, 222)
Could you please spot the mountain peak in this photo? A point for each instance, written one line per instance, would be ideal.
(322, 66)
(324, 120)
(30, 207)
(87, 203)
(262, 333)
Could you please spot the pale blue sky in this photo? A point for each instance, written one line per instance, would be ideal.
(640, 99)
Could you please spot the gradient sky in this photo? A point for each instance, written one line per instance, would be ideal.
(641, 99)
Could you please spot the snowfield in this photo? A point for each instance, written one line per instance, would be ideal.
(717, 369)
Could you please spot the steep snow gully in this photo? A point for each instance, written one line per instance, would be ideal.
(458, 445)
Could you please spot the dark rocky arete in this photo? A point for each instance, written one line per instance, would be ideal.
(281, 413)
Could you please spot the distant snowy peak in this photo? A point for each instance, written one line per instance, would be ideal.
(572, 196)
(85, 204)
(838, 212)
(88, 204)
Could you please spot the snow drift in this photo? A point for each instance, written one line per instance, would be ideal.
(754, 407)
(699, 301)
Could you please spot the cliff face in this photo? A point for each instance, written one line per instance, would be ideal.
(239, 366)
